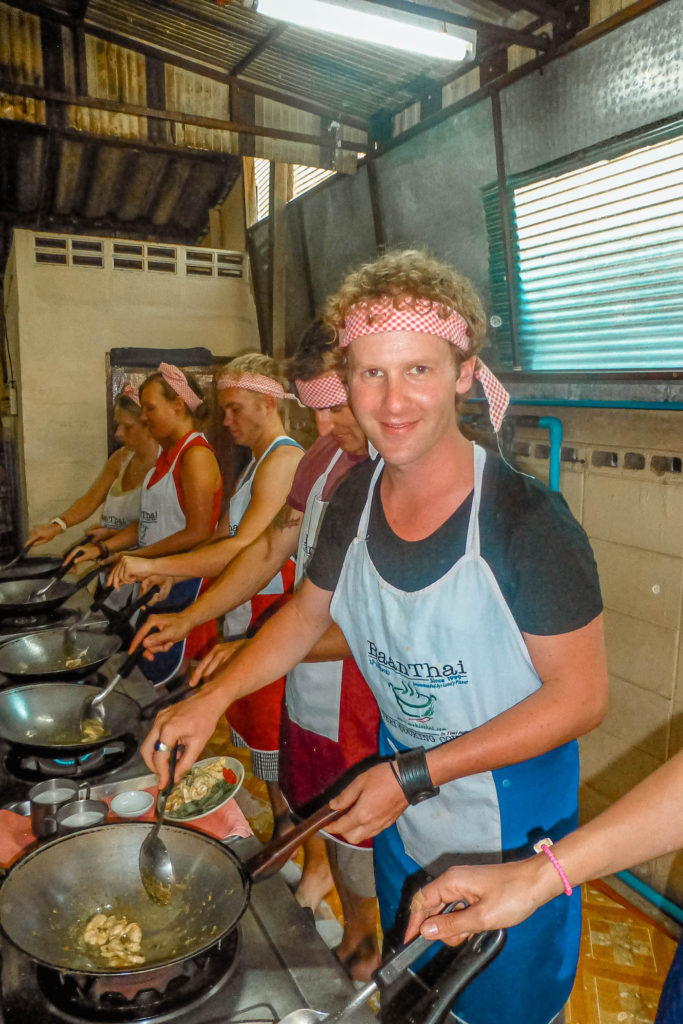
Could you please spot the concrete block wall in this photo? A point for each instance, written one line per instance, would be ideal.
(634, 519)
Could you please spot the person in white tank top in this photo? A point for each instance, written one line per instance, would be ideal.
(117, 486)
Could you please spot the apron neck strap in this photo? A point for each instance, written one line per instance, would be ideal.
(472, 546)
(365, 516)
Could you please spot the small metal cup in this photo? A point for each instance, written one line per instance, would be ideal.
(79, 814)
(46, 798)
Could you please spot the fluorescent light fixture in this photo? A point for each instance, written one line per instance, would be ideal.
(356, 24)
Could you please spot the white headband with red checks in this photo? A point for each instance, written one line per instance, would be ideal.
(253, 382)
(322, 392)
(177, 380)
(423, 317)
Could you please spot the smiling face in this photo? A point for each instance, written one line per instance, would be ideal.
(403, 387)
(244, 414)
(339, 422)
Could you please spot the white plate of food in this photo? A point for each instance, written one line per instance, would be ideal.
(208, 785)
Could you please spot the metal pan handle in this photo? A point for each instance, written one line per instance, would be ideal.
(277, 852)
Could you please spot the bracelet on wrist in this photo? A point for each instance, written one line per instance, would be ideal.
(543, 846)
(103, 550)
(58, 521)
(412, 774)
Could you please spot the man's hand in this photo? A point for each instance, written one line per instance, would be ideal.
(375, 800)
(500, 896)
(217, 657)
(190, 723)
(171, 628)
(130, 569)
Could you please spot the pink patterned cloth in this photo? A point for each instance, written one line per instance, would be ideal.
(176, 379)
(130, 391)
(423, 316)
(253, 382)
(322, 392)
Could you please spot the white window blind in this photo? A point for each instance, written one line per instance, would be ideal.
(600, 264)
(303, 179)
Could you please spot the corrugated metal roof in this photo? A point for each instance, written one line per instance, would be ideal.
(348, 77)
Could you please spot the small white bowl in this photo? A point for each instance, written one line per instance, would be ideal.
(132, 804)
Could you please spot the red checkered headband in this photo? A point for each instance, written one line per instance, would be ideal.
(253, 382)
(423, 317)
(322, 392)
(177, 380)
(130, 391)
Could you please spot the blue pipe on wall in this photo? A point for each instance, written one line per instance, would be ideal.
(554, 428)
(672, 909)
(598, 403)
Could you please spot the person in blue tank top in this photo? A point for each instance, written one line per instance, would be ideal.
(468, 596)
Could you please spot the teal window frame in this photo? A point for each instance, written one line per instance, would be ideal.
(614, 301)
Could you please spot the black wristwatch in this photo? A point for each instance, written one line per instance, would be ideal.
(412, 775)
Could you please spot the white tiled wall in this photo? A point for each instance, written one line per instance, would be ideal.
(634, 519)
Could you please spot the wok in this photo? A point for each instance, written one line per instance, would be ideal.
(44, 718)
(43, 655)
(15, 595)
(52, 892)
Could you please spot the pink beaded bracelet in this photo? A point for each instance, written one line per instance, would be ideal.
(543, 846)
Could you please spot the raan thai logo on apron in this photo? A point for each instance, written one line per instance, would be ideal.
(404, 677)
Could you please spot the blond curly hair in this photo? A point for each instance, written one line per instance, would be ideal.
(409, 276)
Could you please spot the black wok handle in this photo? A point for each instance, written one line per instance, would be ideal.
(101, 596)
(65, 567)
(88, 578)
(475, 954)
(130, 662)
(141, 601)
(276, 853)
(72, 549)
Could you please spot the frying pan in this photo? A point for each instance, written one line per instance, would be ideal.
(52, 892)
(24, 568)
(15, 595)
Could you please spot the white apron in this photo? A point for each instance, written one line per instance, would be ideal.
(236, 622)
(440, 661)
(160, 513)
(313, 691)
(161, 516)
(122, 507)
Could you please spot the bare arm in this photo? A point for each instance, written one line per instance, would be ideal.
(571, 701)
(272, 483)
(280, 645)
(252, 568)
(645, 823)
(84, 506)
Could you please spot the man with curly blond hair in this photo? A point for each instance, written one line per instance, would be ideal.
(468, 596)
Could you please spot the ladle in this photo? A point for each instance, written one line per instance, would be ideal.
(91, 708)
(156, 869)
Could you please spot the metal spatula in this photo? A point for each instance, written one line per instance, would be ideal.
(91, 708)
(156, 869)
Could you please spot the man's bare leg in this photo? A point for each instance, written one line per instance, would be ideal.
(316, 878)
(359, 949)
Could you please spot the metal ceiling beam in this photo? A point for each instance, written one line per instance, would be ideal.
(257, 50)
(508, 36)
(194, 66)
(37, 92)
(540, 8)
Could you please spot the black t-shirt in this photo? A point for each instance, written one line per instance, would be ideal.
(538, 553)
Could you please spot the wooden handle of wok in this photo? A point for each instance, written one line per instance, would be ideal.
(277, 852)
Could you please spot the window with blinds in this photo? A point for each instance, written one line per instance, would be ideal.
(599, 262)
(303, 178)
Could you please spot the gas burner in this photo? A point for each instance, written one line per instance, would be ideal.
(29, 767)
(160, 995)
(19, 625)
